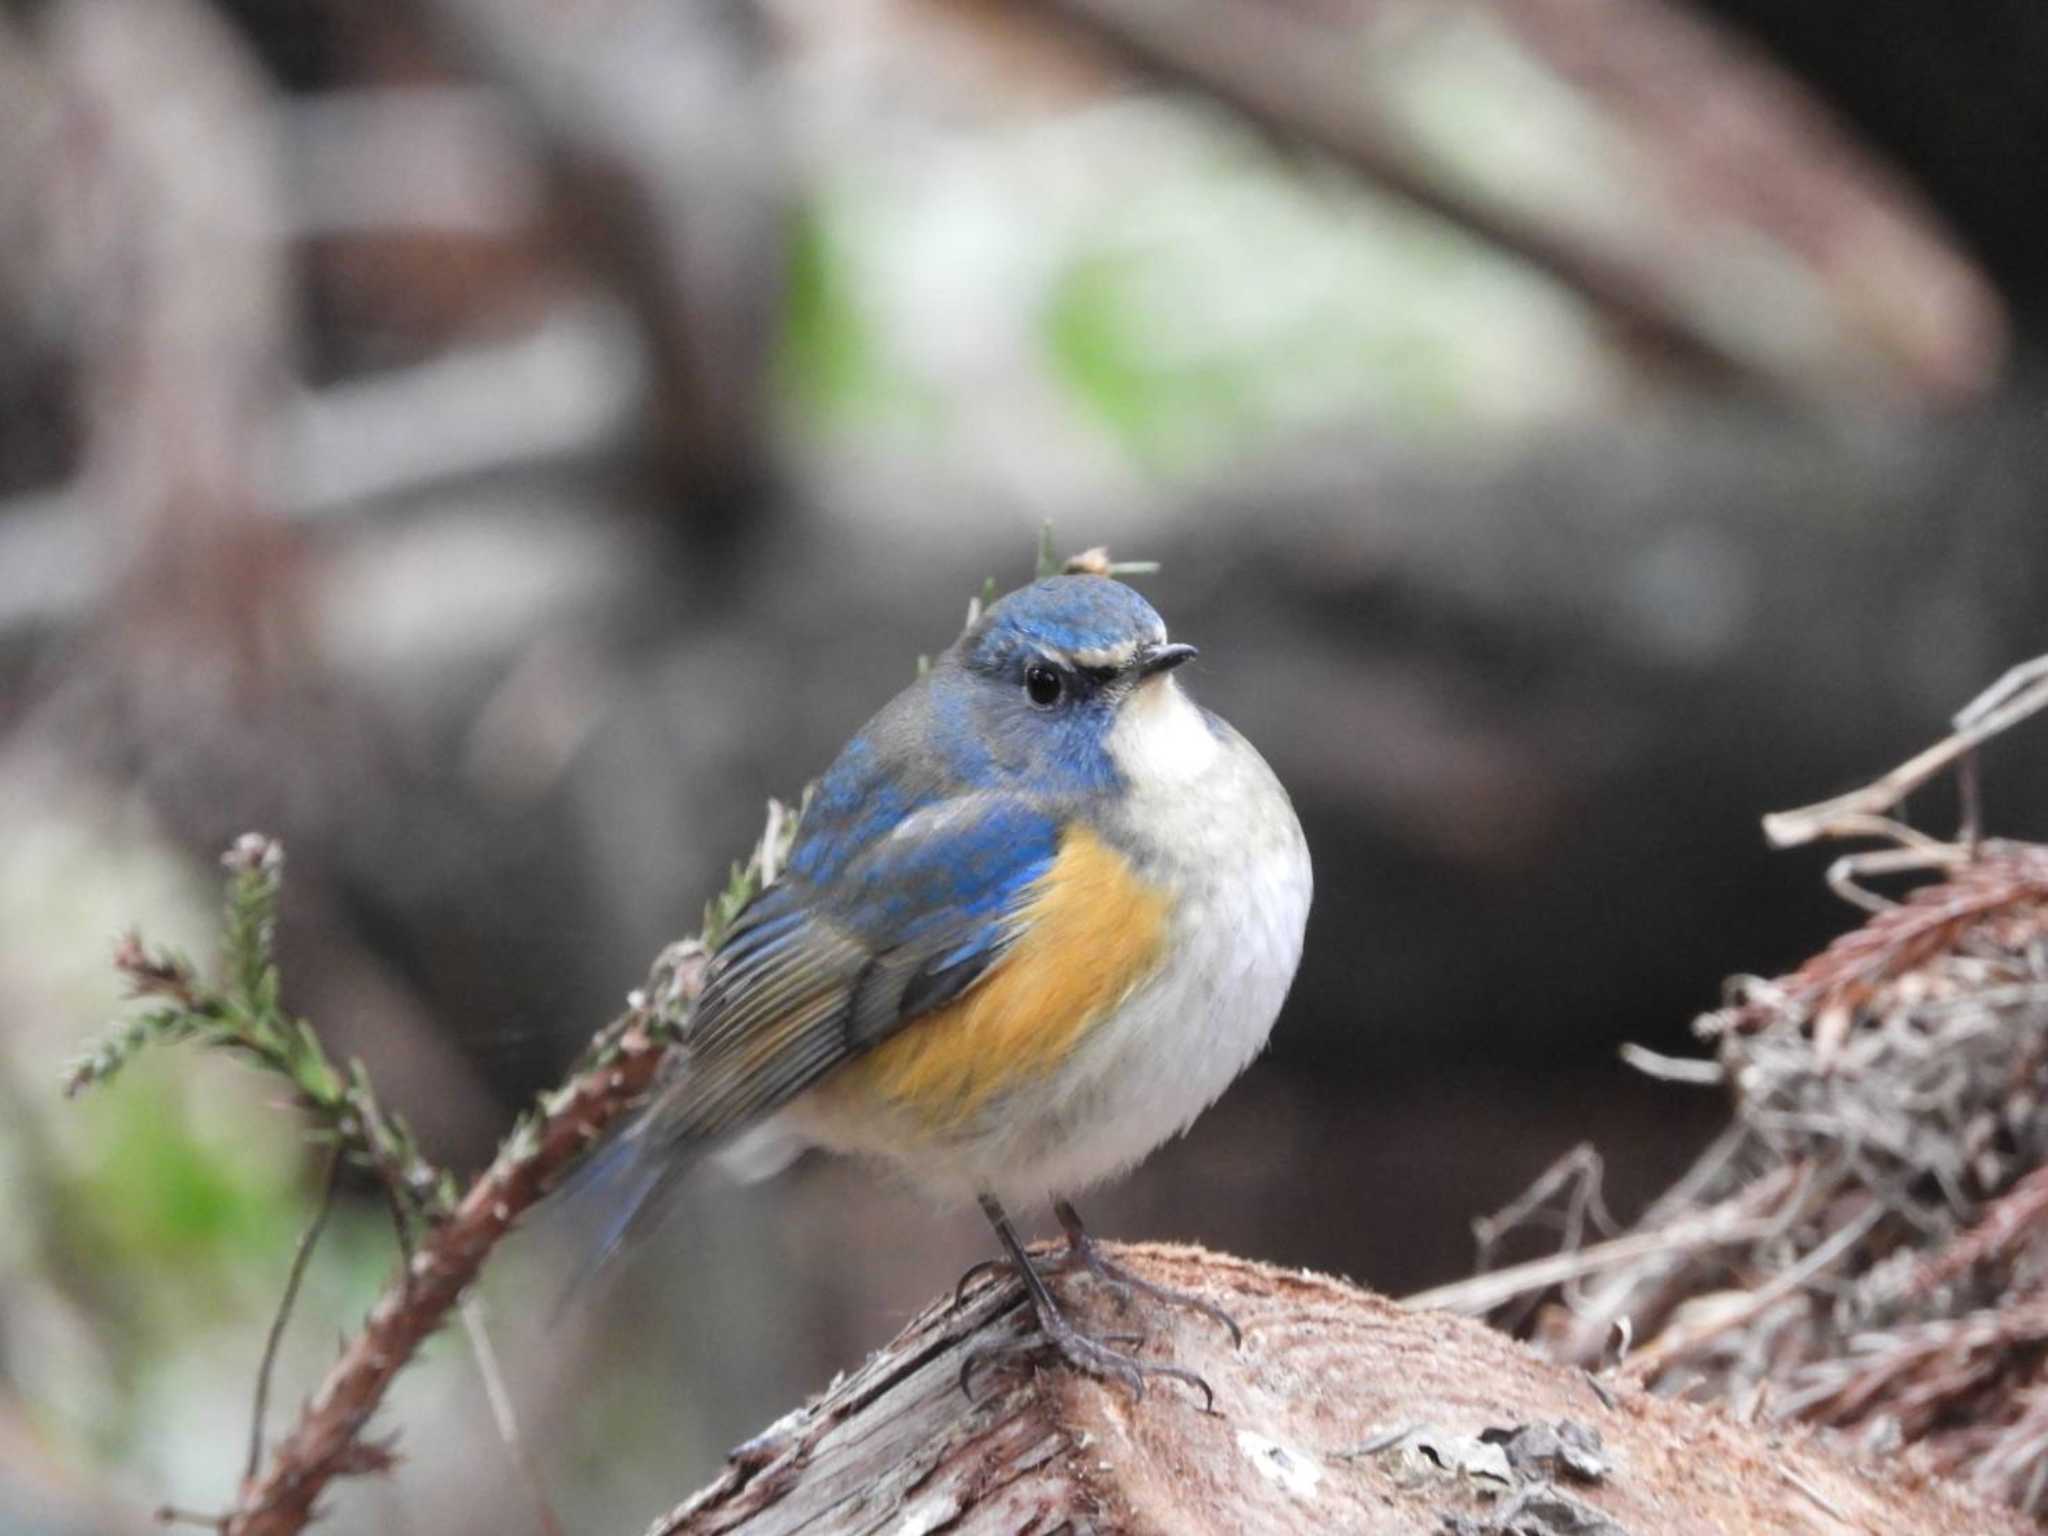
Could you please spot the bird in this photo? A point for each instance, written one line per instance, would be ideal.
(1038, 914)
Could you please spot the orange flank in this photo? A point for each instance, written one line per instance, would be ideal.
(1091, 933)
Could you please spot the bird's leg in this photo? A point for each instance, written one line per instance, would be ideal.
(1083, 1254)
(1046, 1265)
(1091, 1355)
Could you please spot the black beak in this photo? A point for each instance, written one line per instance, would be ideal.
(1153, 659)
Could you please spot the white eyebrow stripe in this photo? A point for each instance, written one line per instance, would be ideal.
(1107, 656)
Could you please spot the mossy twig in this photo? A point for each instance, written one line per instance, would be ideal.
(240, 1012)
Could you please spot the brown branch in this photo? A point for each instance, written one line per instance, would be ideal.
(2019, 694)
(328, 1440)
(680, 188)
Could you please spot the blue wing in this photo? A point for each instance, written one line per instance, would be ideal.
(812, 974)
(903, 888)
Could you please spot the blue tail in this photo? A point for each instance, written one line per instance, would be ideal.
(629, 1180)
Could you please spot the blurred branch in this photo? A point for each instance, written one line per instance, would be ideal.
(566, 390)
(1302, 80)
(425, 158)
(1738, 141)
(1307, 75)
(181, 289)
(655, 121)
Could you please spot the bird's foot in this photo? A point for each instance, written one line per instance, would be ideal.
(1082, 1253)
(1085, 1353)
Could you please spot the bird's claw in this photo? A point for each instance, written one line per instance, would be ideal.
(972, 1273)
(1091, 1356)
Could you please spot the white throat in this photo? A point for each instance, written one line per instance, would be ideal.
(1160, 737)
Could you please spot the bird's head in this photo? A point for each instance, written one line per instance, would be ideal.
(1071, 688)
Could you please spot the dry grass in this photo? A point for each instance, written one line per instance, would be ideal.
(1866, 1247)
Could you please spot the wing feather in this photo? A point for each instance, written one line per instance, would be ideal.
(899, 896)
(808, 978)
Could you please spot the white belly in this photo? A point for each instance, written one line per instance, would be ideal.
(1228, 839)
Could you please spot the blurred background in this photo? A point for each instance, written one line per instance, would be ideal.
(496, 444)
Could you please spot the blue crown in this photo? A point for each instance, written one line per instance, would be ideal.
(1073, 614)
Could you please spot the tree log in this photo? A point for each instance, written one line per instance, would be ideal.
(1342, 1412)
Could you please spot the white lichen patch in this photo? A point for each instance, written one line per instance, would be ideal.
(1297, 1473)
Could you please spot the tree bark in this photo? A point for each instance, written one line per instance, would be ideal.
(1341, 1412)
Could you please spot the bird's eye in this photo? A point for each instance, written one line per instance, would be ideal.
(1042, 683)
